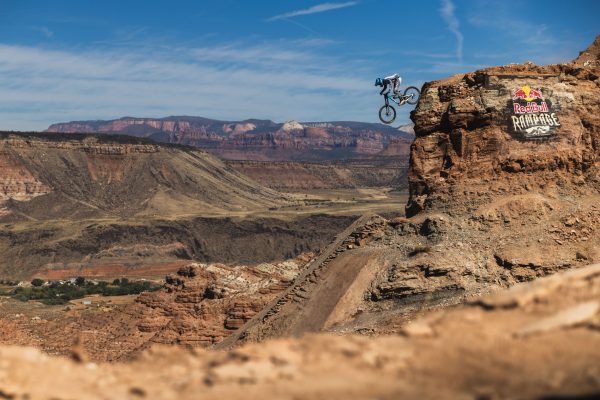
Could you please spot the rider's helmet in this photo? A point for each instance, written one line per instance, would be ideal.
(378, 82)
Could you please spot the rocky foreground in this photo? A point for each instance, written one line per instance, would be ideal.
(536, 340)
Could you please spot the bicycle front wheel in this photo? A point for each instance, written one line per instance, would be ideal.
(412, 95)
(387, 114)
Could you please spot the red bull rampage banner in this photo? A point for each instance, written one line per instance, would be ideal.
(531, 115)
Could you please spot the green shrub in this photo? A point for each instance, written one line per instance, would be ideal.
(61, 293)
(37, 282)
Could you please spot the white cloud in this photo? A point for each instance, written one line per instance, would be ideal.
(277, 80)
(524, 39)
(319, 8)
(447, 13)
(44, 30)
(425, 54)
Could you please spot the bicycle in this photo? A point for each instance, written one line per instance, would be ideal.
(387, 113)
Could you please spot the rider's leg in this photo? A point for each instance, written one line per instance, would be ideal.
(397, 87)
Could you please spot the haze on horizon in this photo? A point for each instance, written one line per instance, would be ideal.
(232, 60)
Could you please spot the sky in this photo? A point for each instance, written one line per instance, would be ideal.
(280, 60)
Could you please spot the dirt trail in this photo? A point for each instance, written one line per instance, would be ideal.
(308, 303)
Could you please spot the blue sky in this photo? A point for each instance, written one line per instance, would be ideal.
(280, 60)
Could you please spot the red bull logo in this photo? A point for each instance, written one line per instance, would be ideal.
(532, 117)
(530, 107)
(528, 94)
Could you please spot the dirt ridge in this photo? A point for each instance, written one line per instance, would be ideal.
(306, 278)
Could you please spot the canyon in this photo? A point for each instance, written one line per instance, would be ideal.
(485, 286)
(103, 206)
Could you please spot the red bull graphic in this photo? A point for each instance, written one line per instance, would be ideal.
(528, 94)
(531, 107)
(531, 114)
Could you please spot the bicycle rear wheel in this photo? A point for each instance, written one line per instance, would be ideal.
(412, 94)
(387, 114)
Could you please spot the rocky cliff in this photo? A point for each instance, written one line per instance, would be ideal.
(509, 130)
(258, 139)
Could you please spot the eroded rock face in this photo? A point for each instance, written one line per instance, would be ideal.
(108, 176)
(590, 57)
(475, 138)
(199, 306)
(204, 303)
(17, 182)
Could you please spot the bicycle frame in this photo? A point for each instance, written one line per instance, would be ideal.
(401, 100)
(388, 98)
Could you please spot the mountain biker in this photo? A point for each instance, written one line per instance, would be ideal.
(393, 80)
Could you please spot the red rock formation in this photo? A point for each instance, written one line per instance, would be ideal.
(199, 306)
(16, 181)
(467, 139)
(203, 303)
(255, 139)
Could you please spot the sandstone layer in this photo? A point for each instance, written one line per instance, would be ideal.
(259, 140)
(199, 306)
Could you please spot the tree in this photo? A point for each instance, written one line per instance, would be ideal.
(116, 282)
(80, 281)
(37, 282)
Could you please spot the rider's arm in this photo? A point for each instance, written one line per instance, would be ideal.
(385, 85)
